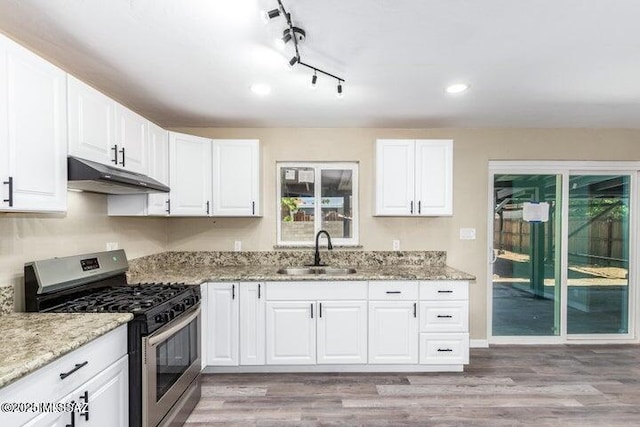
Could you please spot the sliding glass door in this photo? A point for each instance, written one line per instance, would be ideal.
(598, 254)
(561, 251)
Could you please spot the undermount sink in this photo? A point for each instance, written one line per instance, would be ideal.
(308, 271)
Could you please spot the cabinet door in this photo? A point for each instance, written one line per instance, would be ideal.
(108, 397)
(91, 123)
(158, 168)
(434, 177)
(395, 177)
(33, 132)
(236, 177)
(291, 333)
(56, 419)
(342, 332)
(222, 324)
(189, 175)
(252, 328)
(393, 332)
(131, 137)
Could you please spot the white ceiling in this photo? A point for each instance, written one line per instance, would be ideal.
(541, 63)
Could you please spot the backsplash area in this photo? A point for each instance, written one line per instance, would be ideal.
(6, 299)
(286, 258)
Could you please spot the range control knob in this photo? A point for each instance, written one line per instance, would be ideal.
(180, 307)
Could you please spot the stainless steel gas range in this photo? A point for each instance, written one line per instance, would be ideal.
(163, 337)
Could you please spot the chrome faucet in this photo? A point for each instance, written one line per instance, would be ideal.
(316, 257)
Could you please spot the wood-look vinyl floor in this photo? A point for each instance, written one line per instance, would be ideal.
(503, 386)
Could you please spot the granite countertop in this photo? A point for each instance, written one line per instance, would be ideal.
(196, 275)
(32, 340)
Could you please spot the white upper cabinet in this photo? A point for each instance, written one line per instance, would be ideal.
(33, 132)
(414, 177)
(104, 131)
(91, 124)
(236, 177)
(190, 175)
(158, 168)
(131, 137)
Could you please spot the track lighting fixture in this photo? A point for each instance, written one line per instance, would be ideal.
(297, 35)
(268, 15)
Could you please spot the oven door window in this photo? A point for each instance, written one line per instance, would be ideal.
(174, 356)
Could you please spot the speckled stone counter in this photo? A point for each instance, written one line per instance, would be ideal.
(32, 340)
(198, 267)
(6, 299)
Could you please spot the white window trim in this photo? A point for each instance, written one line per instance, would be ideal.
(318, 166)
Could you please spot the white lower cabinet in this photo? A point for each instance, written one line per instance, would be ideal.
(342, 332)
(222, 324)
(393, 332)
(291, 333)
(252, 327)
(98, 375)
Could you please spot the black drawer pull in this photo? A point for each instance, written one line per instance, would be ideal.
(10, 184)
(445, 349)
(445, 292)
(258, 290)
(394, 292)
(78, 366)
(444, 316)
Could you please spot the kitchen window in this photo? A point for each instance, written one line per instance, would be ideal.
(314, 196)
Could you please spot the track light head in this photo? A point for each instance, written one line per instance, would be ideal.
(339, 94)
(268, 15)
(314, 80)
(293, 61)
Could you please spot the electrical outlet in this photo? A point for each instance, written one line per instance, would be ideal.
(396, 245)
(467, 234)
(112, 246)
(237, 246)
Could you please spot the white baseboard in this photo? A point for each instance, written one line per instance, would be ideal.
(331, 368)
(478, 343)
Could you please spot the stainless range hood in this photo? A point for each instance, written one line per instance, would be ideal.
(95, 177)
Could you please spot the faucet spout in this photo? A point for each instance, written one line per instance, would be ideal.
(316, 257)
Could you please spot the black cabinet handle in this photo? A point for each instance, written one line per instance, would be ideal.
(168, 206)
(312, 310)
(445, 349)
(78, 366)
(115, 154)
(419, 206)
(320, 310)
(122, 151)
(445, 292)
(411, 207)
(73, 419)
(233, 291)
(10, 184)
(207, 207)
(444, 316)
(85, 398)
(394, 292)
(253, 208)
(258, 290)
(415, 309)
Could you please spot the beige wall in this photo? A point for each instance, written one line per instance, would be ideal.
(473, 149)
(84, 228)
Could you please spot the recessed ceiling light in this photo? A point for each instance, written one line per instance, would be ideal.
(457, 88)
(261, 89)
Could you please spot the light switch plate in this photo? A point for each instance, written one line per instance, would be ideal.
(396, 245)
(112, 246)
(237, 246)
(467, 234)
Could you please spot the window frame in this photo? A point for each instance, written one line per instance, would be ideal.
(318, 167)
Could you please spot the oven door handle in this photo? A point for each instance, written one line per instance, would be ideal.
(158, 337)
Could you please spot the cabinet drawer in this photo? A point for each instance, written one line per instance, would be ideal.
(444, 349)
(313, 291)
(393, 290)
(444, 290)
(444, 316)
